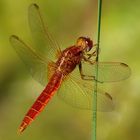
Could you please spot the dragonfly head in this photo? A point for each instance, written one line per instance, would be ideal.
(85, 43)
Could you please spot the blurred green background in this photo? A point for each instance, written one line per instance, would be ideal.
(67, 20)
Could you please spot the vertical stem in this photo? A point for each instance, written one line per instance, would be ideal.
(99, 26)
(94, 125)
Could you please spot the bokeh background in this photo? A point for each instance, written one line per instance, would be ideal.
(67, 20)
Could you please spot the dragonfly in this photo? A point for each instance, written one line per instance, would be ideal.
(69, 72)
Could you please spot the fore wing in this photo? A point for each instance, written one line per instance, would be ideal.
(107, 71)
(44, 42)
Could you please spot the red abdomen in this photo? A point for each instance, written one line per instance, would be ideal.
(42, 100)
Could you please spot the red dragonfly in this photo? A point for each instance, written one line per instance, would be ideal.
(71, 74)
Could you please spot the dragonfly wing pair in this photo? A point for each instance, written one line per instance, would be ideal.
(79, 92)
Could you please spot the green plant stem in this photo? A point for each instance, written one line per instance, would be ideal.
(94, 125)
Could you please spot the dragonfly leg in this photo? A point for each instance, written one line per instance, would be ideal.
(96, 44)
(87, 77)
(92, 62)
(92, 54)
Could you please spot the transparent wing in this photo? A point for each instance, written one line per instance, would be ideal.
(44, 42)
(79, 93)
(108, 71)
(36, 64)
